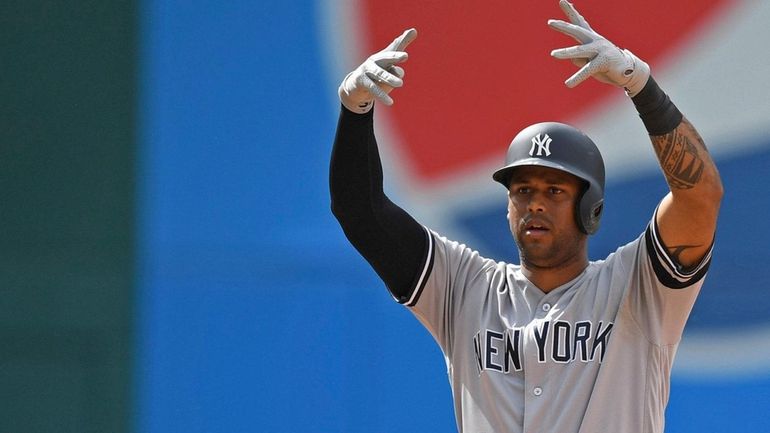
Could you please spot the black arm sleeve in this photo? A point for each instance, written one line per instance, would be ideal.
(393, 243)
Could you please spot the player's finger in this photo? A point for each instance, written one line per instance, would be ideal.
(578, 33)
(579, 62)
(573, 15)
(396, 70)
(576, 52)
(581, 75)
(402, 41)
(382, 76)
(381, 68)
(376, 90)
(386, 59)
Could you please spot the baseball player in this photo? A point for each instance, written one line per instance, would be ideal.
(556, 343)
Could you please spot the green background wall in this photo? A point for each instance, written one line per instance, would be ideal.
(67, 98)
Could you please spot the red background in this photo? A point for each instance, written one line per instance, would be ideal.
(481, 71)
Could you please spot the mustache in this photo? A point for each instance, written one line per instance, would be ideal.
(540, 220)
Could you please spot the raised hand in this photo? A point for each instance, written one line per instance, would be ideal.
(377, 76)
(597, 56)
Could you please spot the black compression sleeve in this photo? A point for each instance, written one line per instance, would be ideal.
(393, 243)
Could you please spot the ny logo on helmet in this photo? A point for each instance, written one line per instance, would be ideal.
(542, 143)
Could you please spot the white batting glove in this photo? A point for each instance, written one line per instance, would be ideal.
(376, 77)
(597, 56)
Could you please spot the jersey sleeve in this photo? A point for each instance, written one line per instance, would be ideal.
(668, 272)
(454, 278)
(661, 292)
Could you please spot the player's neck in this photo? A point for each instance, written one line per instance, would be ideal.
(551, 277)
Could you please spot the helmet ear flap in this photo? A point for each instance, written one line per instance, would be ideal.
(597, 211)
(589, 207)
(579, 204)
(594, 216)
(589, 213)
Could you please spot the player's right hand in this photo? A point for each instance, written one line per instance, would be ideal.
(376, 77)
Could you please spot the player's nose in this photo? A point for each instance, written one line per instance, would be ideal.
(536, 203)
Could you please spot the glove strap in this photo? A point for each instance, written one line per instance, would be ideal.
(659, 115)
(355, 105)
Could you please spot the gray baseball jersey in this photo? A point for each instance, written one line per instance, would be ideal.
(593, 355)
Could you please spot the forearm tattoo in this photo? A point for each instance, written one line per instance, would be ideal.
(680, 153)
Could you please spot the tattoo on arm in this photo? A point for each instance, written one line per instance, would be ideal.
(680, 153)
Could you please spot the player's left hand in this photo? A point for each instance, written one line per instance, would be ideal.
(597, 56)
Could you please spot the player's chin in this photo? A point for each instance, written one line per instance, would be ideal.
(536, 251)
(535, 248)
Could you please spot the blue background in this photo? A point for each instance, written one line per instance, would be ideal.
(255, 314)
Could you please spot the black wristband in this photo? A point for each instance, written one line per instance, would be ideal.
(659, 115)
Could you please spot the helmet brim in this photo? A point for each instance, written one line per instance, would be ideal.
(503, 175)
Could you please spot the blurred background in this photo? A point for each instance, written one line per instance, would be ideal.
(168, 260)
